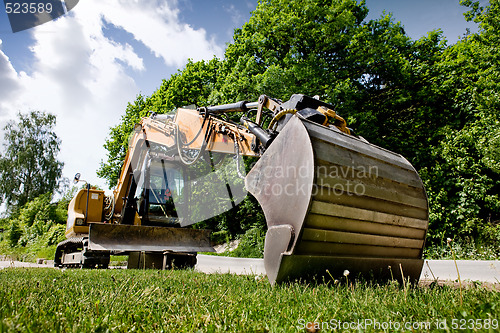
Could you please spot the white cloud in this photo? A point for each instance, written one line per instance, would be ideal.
(9, 84)
(156, 25)
(234, 13)
(86, 78)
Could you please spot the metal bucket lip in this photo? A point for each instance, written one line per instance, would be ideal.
(305, 268)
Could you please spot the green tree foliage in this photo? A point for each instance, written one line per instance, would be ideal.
(372, 72)
(463, 181)
(191, 86)
(36, 218)
(117, 144)
(29, 165)
(14, 233)
(437, 104)
(251, 244)
(291, 46)
(35, 228)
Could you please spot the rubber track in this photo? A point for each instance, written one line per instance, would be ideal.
(63, 245)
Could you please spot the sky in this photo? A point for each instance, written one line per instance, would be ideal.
(87, 65)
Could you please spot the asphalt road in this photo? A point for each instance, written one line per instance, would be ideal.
(472, 270)
(10, 263)
(218, 264)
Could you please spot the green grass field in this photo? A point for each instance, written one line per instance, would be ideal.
(50, 300)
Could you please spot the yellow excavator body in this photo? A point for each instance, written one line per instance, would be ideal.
(332, 201)
(80, 214)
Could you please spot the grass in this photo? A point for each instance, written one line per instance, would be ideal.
(118, 260)
(50, 300)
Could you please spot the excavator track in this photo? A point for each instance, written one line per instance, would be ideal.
(74, 253)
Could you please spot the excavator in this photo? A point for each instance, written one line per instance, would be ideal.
(333, 202)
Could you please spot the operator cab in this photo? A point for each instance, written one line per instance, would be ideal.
(159, 193)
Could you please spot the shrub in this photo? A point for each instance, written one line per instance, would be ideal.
(15, 233)
(251, 244)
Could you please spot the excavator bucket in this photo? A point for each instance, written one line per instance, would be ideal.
(127, 238)
(336, 205)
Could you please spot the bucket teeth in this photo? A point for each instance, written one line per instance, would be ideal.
(334, 202)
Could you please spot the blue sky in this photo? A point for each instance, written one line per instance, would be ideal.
(87, 65)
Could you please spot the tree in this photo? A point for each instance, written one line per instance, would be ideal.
(436, 104)
(289, 47)
(29, 165)
(374, 75)
(370, 71)
(463, 180)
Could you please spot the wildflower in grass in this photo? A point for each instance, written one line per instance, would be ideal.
(390, 270)
(331, 275)
(346, 273)
(456, 266)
